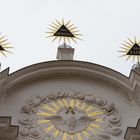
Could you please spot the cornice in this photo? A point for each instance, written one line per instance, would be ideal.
(71, 69)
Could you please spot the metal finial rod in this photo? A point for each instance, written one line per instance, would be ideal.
(0, 67)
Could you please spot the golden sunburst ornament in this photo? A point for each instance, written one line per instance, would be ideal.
(4, 45)
(131, 49)
(63, 31)
(69, 119)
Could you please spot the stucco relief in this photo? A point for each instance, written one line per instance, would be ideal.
(74, 114)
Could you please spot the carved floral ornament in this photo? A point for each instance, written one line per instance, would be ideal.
(69, 115)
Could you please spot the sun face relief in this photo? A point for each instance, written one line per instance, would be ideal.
(69, 119)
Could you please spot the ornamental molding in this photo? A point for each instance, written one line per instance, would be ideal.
(69, 115)
(64, 69)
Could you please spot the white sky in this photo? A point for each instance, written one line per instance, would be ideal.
(105, 24)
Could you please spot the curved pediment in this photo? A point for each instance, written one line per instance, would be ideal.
(68, 69)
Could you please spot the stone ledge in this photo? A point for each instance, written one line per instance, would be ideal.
(6, 129)
(133, 133)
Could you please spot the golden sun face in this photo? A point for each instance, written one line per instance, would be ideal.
(4, 45)
(70, 119)
(64, 31)
(131, 49)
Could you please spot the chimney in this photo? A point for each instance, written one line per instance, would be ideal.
(65, 52)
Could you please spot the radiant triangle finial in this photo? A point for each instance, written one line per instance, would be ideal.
(131, 49)
(4, 45)
(63, 31)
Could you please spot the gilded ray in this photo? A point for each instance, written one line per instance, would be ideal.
(89, 108)
(138, 42)
(95, 125)
(128, 43)
(76, 31)
(78, 38)
(8, 51)
(73, 39)
(43, 121)
(95, 113)
(86, 134)
(50, 36)
(79, 136)
(125, 48)
(41, 113)
(60, 103)
(5, 44)
(64, 137)
(92, 130)
(54, 27)
(77, 103)
(68, 39)
(49, 108)
(55, 24)
(63, 21)
(128, 57)
(60, 38)
(72, 28)
(55, 106)
(65, 102)
(135, 40)
(58, 22)
(78, 34)
(72, 103)
(68, 102)
(67, 23)
(122, 51)
(55, 38)
(51, 30)
(48, 129)
(123, 55)
(56, 133)
(3, 41)
(3, 53)
(99, 120)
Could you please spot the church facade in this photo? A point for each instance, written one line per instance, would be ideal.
(69, 100)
